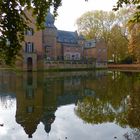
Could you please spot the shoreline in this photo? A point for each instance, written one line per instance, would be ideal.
(117, 67)
(54, 69)
(124, 67)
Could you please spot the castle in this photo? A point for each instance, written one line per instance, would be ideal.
(53, 48)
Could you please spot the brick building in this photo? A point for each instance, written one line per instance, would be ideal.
(52, 44)
(32, 47)
(96, 50)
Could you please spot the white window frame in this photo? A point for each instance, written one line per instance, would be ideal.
(29, 48)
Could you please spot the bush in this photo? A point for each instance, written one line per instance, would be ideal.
(127, 60)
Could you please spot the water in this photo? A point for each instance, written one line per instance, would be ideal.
(101, 105)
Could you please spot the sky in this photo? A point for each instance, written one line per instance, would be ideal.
(73, 9)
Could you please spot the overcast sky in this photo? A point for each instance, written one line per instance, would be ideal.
(72, 9)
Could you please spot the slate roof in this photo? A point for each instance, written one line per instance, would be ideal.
(67, 37)
(49, 20)
(62, 36)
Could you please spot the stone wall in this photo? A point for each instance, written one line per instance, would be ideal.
(69, 65)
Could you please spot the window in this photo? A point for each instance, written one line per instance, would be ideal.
(29, 47)
(67, 56)
(47, 49)
(30, 109)
(76, 81)
(89, 92)
(29, 32)
(77, 56)
(73, 56)
(29, 93)
(89, 44)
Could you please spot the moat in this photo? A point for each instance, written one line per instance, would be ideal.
(92, 105)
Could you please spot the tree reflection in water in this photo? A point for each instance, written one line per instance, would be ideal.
(118, 102)
(98, 97)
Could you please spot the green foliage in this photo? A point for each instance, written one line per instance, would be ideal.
(135, 4)
(95, 24)
(118, 44)
(127, 60)
(117, 99)
(134, 41)
(109, 26)
(94, 111)
(13, 23)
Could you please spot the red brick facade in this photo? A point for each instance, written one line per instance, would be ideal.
(51, 44)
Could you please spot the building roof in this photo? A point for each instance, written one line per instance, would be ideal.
(67, 37)
(49, 20)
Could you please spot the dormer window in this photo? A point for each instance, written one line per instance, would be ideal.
(72, 41)
(89, 44)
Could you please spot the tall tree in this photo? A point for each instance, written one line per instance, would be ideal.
(134, 41)
(110, 26)
(118, 44)
(96, 24)
(13, 23)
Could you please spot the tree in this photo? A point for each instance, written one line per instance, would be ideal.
(13, 23)
(134, 41)
(118, 44)
(96, 24)
(105, 106)
(110, 26)
(135, 4)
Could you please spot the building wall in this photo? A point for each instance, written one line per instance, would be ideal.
(29, 103)
(59, 51)
(36, 39)
(72, 52)
(101, 54)
(90, 53)
(68, 65)
(48, 48)
(49, 43)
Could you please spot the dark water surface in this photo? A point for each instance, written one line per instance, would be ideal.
(101, 105)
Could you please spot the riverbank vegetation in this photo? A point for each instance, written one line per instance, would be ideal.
(120, 34)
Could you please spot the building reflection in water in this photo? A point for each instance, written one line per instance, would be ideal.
(39, 95)
(29, 104)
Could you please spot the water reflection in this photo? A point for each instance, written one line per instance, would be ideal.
(98, 97)
(29, 104)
